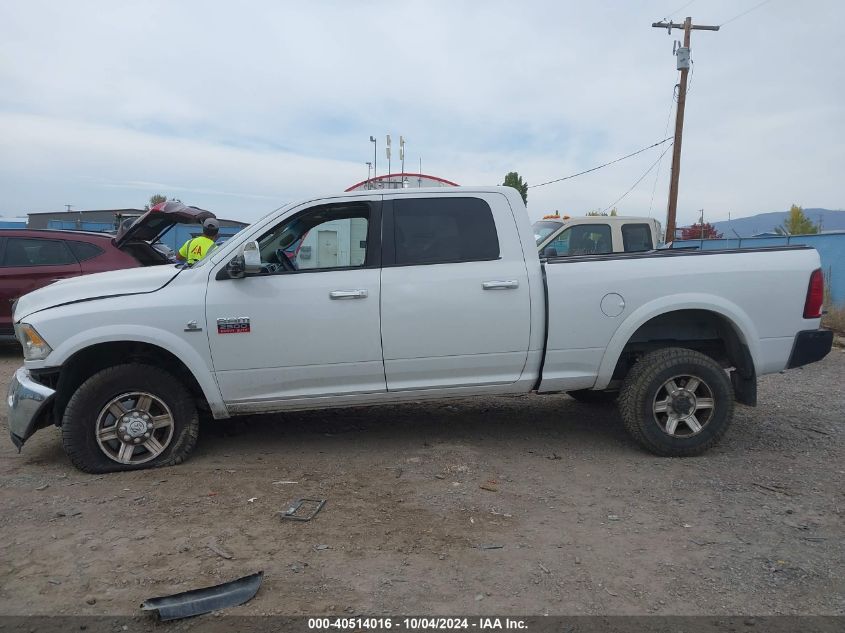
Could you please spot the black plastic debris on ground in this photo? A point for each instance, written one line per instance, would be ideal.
(205, 600)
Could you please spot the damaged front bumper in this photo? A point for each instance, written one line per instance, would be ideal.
(29, 406)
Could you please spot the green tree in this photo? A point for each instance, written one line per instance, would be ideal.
(154, 200)
(514, 180)
(797, 223)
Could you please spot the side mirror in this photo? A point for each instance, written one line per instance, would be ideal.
(550, 251)
(252, 258)
(247, 262)
(235, 267)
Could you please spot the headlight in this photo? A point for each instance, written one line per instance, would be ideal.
(34, 347)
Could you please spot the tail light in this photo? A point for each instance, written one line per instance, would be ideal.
(815, 295)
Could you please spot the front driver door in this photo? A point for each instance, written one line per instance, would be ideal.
(308, 326)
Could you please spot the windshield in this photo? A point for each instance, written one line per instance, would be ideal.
(544, 228)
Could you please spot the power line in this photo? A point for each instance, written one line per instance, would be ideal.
(736, 17)
(657, 174)
(681, 9)
(587, 171)
(639, 180)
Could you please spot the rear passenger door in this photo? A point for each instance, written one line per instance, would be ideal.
(455, 307)
(29, 263)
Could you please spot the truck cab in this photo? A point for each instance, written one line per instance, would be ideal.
(595, 235)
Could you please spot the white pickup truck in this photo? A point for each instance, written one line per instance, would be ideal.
(395, 296)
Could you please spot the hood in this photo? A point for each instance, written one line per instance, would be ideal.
(129, 281)
(158, 220)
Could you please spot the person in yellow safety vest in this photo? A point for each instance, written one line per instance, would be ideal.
(198, 247)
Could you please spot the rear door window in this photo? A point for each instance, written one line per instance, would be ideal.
(22, 252)
(84, 250)
(443, 230)
(636, 237)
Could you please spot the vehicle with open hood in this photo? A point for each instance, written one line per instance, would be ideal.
(33, 258)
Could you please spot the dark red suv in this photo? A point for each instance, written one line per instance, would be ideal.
(32, 258)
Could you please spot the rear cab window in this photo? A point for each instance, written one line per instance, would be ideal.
(442, 230)
(636, 238)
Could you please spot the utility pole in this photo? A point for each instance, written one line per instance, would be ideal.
(683, 65)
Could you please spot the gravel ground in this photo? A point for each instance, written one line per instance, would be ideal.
(524, 505)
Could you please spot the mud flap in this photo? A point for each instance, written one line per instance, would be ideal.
(205, 600)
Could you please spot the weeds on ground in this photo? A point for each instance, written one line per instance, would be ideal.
(834, 318)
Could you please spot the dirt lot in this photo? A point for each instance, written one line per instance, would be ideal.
(525, 505)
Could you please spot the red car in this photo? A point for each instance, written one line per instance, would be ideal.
(32, 258)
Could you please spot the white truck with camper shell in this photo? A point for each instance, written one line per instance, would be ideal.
(406, 295)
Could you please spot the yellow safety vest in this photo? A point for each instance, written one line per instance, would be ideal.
(195, 249)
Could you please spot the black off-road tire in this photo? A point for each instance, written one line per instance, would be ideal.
(589, 396)
(640, 387)
(80, 416)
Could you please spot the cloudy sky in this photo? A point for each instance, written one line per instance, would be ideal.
(239, 107)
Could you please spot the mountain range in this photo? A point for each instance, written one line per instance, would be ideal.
(831, 220)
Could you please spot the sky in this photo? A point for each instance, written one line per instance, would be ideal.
(242, 107)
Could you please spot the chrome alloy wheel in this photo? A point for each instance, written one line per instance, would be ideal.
(683, 406)
(134, 428)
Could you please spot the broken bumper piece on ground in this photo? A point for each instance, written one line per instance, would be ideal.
(205, 600)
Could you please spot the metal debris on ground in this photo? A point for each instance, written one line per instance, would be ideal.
(490, 546)
(220, 552)
(205, 600)
(291, 512)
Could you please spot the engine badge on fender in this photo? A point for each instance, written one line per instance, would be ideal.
(234, 325)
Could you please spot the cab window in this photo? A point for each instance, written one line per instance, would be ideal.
(583, 239)
(325, 237)
(636, 237)
(443, 230)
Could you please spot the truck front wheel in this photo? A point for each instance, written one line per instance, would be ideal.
(129, 417)
(676, 402)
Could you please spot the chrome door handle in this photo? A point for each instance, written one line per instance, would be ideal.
(500, 285)
(348, 294)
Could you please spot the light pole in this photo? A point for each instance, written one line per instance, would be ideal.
(375, 157)
(402, 152)
(369, 169)
(389, 168)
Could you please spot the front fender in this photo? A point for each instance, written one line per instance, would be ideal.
(176, 345)
(735, 315)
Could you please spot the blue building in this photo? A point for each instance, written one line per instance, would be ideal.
(12, 223)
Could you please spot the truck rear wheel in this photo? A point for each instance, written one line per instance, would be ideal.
(676, 402)
(129, 417)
